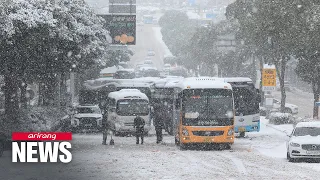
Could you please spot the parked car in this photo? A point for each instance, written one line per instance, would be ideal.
(304, 142)
(87, 117)
(289, 108)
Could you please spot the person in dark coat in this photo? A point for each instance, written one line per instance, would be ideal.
(139, 125)
(157, 122)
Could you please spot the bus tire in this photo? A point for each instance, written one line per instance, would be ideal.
(242, 134)
(183, 147)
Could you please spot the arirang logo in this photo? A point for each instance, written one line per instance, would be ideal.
(241, 120)
(28, 147)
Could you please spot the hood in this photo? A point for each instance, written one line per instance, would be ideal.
(87, 115)
(305, 139)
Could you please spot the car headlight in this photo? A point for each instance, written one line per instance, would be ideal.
(185, 132)
(294, 144)
(230, 132)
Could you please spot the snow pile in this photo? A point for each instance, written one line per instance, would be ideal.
(281, 118)
(35, 119)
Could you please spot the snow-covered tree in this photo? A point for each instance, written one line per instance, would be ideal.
(44, 38)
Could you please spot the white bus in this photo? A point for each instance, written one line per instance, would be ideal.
(246, 101)
(123, 106)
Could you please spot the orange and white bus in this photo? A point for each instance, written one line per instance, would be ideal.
(204, 112)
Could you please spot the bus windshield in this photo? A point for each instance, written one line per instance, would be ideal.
(245, 100)
(132, 107)
(208, 107)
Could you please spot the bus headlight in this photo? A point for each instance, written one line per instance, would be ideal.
(230, 132)
(185, 132)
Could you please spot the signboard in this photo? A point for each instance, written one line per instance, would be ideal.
(122, 28)
(269, 79)
(122, 9)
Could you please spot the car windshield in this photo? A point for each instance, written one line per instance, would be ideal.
(304, 131)
(90, 110)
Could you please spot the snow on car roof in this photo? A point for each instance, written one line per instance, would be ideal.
(128, 93)
(309, 124)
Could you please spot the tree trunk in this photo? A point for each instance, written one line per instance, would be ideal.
(316, 93)
(11, 96)
(281, 74)
(261, 70)
(23, 92)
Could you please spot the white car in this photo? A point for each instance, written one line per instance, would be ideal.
(87, 117)
(304, 141)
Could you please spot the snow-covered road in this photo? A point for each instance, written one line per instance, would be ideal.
(259, 156)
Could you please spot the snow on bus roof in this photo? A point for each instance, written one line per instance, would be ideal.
(203, 82)
(127, 70)
(309, 124)
(237, 79)
(128, 93)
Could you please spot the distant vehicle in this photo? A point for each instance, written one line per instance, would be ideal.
(151, 73)
(289, 108)
(304, 142)
(148, 62)
(124, 74)
(87, 117)
(151, 53)
(148, 19)
(123, 106)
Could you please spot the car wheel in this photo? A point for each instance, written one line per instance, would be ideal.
(288, 110)
(289, 158)
(1, 148)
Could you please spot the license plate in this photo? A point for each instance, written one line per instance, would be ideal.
(313, 152)
(88, 125)
(242, 129)
(208, 140)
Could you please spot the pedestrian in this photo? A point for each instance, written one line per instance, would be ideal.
(139, 125)
(157, 121)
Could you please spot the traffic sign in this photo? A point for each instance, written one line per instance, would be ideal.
(269, 77)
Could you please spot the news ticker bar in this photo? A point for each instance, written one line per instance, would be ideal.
(41, 136)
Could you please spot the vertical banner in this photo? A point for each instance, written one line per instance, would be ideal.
(269, 78)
